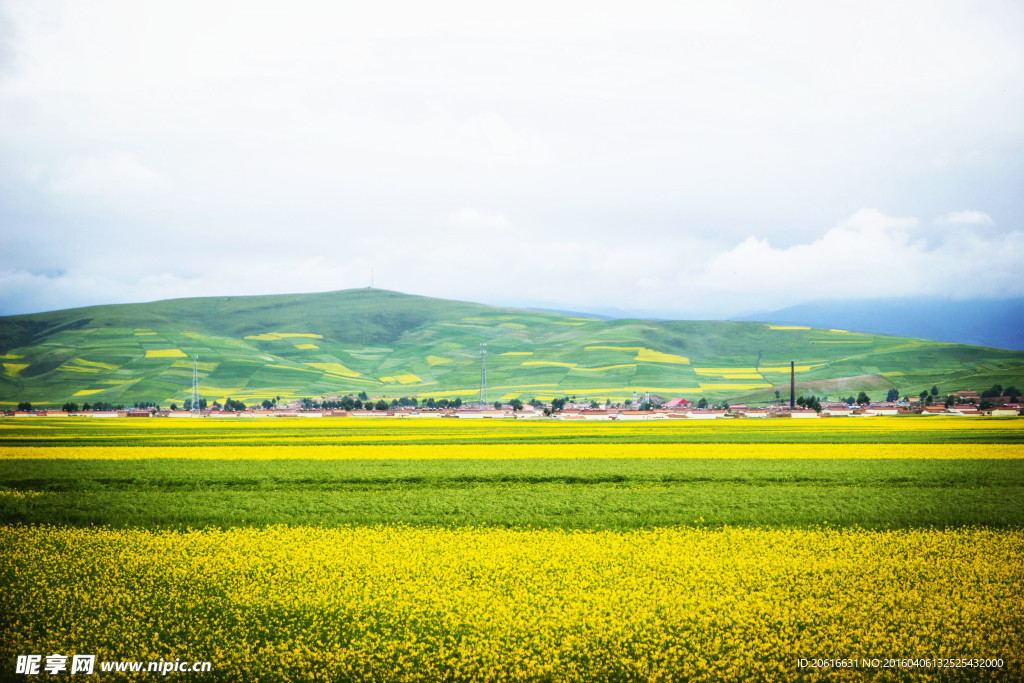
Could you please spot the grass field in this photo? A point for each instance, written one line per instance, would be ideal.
(418, 550)
(392, 344)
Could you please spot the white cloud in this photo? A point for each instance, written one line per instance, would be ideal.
(966, 218)
(663, 156)
(870, 255)
(105, 175)
(490, 257)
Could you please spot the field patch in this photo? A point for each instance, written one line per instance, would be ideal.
(332, 368)
(277, 336)
(165, 353)
(406, 378)
(552, 363)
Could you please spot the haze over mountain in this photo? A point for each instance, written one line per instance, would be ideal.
(392, 344)
(984, 322)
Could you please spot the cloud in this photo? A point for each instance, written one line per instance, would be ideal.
(491, 257)
(965, 218)
(870, 255)
(105, 175)
(666, 157)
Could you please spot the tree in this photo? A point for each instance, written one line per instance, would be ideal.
(25, 407)
(86, 406)
(557, 403)
(536, 403)
(357, 404)
(594, 405)
(1012, 392)
(362, 396)
(267, 404)
(381, 404)
(497, 405)
(892, 395)
(457, 402)
(777, 395)
(935, 391)
(347, 403)
(70, 407)
(174, 406)
(923, 395)
(516, 404)
(996, 390)
(862, 399)
(702, 403)
(950, 400)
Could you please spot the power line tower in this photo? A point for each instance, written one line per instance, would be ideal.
(483, 376)
(195, 386)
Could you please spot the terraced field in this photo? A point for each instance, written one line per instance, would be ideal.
(418, 550)
(391, 344)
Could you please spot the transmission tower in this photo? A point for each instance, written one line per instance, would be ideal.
(483, 376)
(195, 386)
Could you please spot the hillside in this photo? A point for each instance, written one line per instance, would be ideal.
(392, 344)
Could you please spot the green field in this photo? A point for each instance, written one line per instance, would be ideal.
(391, 344)
(596, 475)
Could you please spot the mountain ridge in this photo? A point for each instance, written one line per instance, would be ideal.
(393, 344)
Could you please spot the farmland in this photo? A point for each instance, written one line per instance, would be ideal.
(352, 549)
(391, 344)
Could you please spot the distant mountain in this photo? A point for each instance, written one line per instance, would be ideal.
(984, 322)
(391, 344)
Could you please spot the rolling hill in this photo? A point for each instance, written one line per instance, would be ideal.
(392, 344)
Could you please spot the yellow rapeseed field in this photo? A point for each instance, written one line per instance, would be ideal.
(429, 604)
(165, 353)
(514, 451)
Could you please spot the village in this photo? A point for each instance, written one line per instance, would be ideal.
(961, 403)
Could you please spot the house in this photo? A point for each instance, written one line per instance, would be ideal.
(882, 410)
(756, 412)
(1004, 411)
(677, 403)
(705, 414)
(639, 415)
(838, 410)
(803, 413)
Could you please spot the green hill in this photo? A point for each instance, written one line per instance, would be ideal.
(392, 344)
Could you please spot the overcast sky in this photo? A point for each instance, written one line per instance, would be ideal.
(674, 159)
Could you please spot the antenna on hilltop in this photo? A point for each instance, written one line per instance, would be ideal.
(483, 376)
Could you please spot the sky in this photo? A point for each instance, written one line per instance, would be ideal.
(671, 159)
